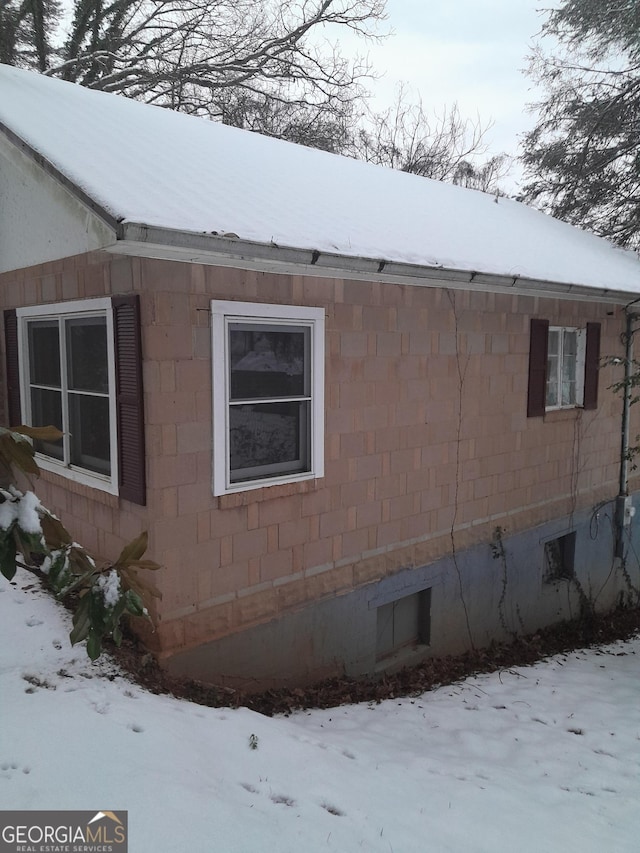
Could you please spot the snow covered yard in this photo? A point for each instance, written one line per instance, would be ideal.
(544, 758)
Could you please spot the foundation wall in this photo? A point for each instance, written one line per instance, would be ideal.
(473, 599)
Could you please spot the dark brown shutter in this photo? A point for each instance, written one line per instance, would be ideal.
(129, 399)
(13, 367)
(591, 366)
(538, 368)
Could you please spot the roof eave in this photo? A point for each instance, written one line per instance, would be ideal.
(229, 251)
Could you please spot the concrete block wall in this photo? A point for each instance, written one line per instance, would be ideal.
(474, 598)
(426, 440)
(101, 522)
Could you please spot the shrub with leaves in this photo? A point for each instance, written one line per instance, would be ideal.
(32, 537)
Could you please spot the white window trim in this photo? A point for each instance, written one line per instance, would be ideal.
(222, 313)
(80, 308)
(580, 366)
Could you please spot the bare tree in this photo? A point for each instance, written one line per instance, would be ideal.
(190, 54)
(444, 146)
(264, 65)
(486, 176)
(324, 125)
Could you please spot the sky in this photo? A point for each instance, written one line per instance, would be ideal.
(472, 52)
(529, 759)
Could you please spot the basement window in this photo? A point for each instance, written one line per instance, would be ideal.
(559, 558)
(403, 623)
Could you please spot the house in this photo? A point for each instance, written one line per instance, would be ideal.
(365, 417)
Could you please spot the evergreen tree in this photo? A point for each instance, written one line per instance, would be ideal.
(583, 157)
(25, 30)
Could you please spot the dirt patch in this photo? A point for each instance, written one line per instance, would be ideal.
(434, 672)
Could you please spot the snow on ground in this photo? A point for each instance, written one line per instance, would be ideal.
(543, 758)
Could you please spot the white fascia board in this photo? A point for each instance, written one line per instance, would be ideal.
(229, 251)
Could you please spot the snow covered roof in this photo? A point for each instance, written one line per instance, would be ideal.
(180, 175)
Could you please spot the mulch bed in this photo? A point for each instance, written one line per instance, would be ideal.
(433, 672)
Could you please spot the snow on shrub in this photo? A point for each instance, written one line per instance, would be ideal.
(32, 537)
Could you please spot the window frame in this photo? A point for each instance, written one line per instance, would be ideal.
(559, 554)
(538, 365)
(581, 336)
(223, 314)
(77, 309)
(406, 624)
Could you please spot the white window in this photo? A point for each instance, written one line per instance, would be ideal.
(67, 379)
(268, 394)
(565, 367)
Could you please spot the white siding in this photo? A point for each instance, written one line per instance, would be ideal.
(40, 220)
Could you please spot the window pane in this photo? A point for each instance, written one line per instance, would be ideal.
(568, 393)
(570, 343)
(402, 623)
(86, 340)
(46, 410)
(89, 432)
(267, 439)
(552, 381)
(44, 353)
(268, 361)
(384, 630)
(560, 555)
(562, 368)
(569, 357)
